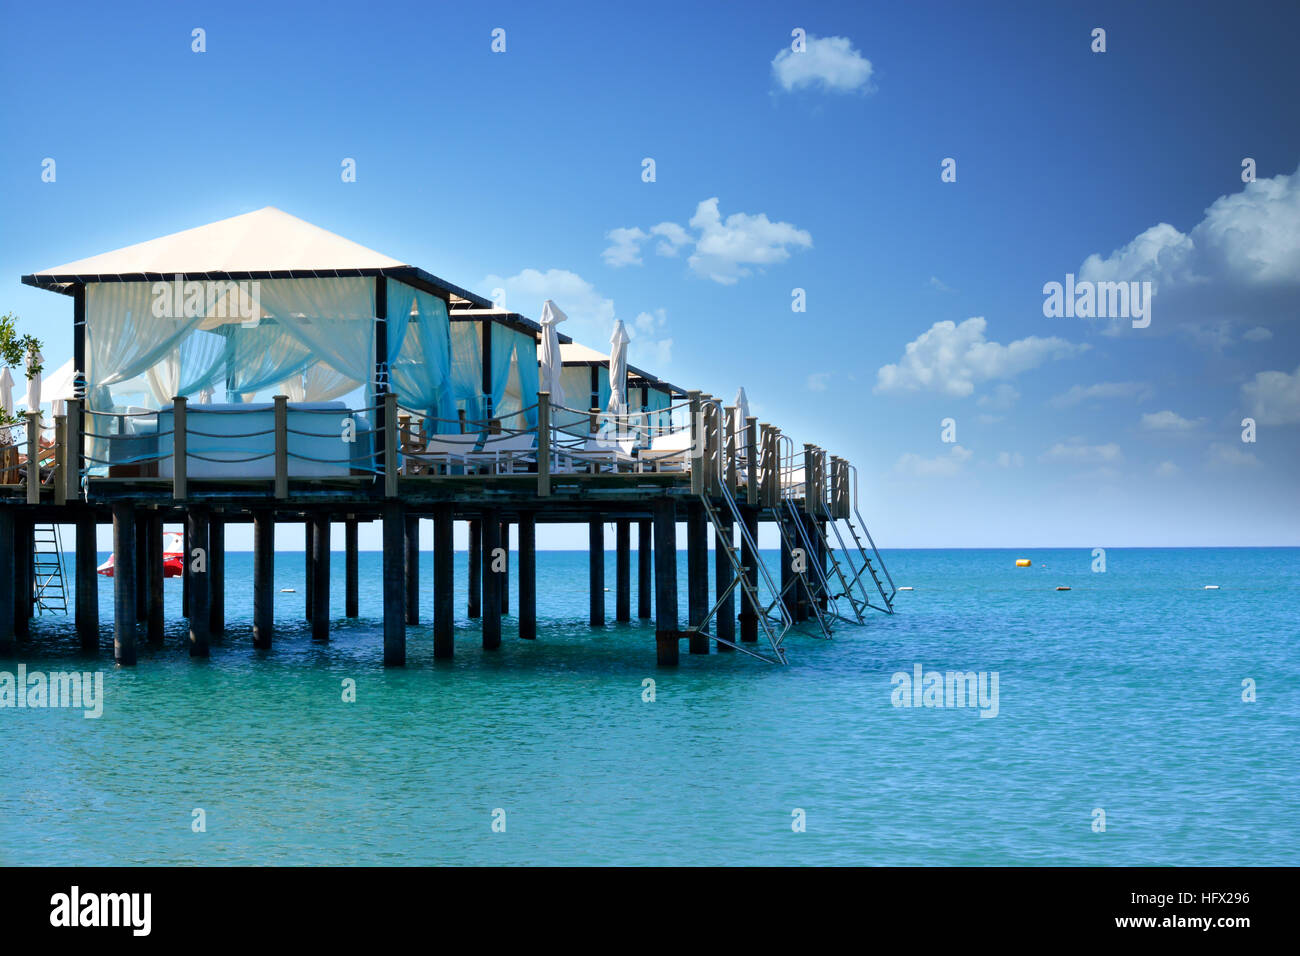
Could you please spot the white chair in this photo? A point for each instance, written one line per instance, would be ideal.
(504, 452)
(671, 452)
(445, 451)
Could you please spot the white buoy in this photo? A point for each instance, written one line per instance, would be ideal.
(287, 591)
(1211, 587)
(904, 589)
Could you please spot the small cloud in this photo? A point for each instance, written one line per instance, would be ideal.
(1273, 397)
(1000, 399)
(942, 466)
(827, 63)
(1168, 421)
(1075, 451)
(1257, 334)
(1231, 457)
(1102, 390)
(1167, 469)
(817, 381)
(951, 359)
(671, 238)
(984, 418)
(1009, 459)
(938, 284)
(625, 249)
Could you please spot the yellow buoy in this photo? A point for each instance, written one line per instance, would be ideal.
(1022, 562)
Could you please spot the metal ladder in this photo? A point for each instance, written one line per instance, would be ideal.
(795, 535)
(49, 590)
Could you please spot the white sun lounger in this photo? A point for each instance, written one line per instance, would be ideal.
(504, 452)
(671, 452)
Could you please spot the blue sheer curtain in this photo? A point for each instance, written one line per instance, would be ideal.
(261, 357)
(467, 367)
(421, 371)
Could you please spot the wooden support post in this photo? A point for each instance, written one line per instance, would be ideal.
(33, 457)
(724, 624)
(216, 576)
(644, 568)
(350, 598)
(697, 573)
(180, 452)
(543, 444)
(186, 577)
(8, 593)
(156, 571)
(444, 577)
(124, 583)
(87, 560)
(788, 584)
(24, 530)
(749, 558)
(320, 588)
(281, 446)
(308, 567)
(527, 575)
(731, 445)
(199, 588)
(73, 451)
(263, 578)
(412, 568)
(394, 589)
(666, 624)
(60, 459)
(623, 570)
(596, 571)
(491, 524)
(391, 461)
(505, 567)
(697, 445)
(475, 568)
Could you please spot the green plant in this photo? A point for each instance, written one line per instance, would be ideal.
(14, 350)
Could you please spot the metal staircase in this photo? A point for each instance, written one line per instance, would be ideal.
(795, 535)
(49, 590)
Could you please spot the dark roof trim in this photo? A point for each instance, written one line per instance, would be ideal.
(520, 323)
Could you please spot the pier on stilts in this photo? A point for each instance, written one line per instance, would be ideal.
(458, 423)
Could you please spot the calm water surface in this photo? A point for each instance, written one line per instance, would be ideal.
(1123, 694)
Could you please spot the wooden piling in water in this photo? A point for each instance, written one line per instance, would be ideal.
(197, 521)
(87, 582)
(724, 625)
(491, 526)
(8, 593)
(216, 576)
(749, 558)
(644, 568)
(697, 573)
(155, 571)
(505, 567)
(394, 588)
(444, 576)
(475, 606)
(623, 570)
(351, 603)
(124, 622)
(308, 573)
(24, 529)
(263, 578)
(666, 624)
(596, 571)
(185, 567)
(411, 566)
(527, 576)
(320, 564)
(141, 565)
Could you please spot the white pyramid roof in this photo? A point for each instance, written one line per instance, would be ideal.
(268, 240)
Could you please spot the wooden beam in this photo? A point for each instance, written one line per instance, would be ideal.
(350, 573)
(491, 525)
(444, 577)
(320, 589)
(180, 452)
(596, 571)
(623, 570)
(393, 589)
(263, 578)
(644, 568)
(197, 520)
(527, 576)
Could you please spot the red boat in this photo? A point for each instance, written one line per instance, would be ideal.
(173, 557)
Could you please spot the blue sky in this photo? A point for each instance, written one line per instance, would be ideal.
(774, 171)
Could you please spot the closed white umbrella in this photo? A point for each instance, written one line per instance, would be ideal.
(618, 370)
(742, 405)
(34, 382)
(6, 391)
(552, 365)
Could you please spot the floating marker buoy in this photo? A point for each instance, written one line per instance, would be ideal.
(1211, 587)
(1062, 588)
(1022, 562)
(904, 589)
(287, 591)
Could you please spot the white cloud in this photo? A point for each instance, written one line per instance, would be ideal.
(827, 63)
(818, 381)
(942, 466)
(1167, 469)
(1083, 393)
(723, 250)
(1273, 398)
(1169, 421)
(939, 284)
(1008, 459)
(1075, 451)
(625, 249)
(1230, 457)
(951, 359)
(1000, 399)
(1240, 263)
(1257, 334)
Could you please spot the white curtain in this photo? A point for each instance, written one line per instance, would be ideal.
(124, 338)
(189, 368)
(467, 367)
(333, 319)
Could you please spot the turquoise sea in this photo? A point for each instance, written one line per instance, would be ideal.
(1123, 694)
